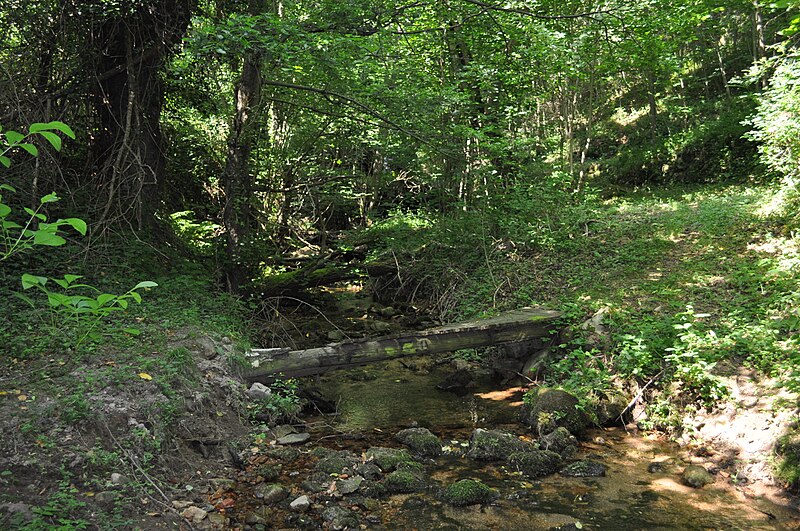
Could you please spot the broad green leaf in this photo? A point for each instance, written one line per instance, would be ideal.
(72, 278)
(47, 238)
(105, 298)
(11, 225)
(63, 283)
(136, 297)
(4, 210)
(49, 198)
(76, 223)
(5, 161)
(145, 284)
(53, 138)
(56, 299)
(29, 281)
(61, 126)
(131, 331)
(30, 148)
(7, 187)
(123, 303)
(24, 298)
(14, 137)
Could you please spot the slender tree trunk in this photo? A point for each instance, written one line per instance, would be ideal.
(237, 181)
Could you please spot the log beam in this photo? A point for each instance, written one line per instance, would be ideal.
(509, 327)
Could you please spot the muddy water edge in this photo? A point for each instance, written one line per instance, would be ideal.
(641, 488)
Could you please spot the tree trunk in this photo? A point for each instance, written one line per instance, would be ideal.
(127, 146)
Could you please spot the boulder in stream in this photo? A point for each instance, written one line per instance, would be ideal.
(468, 492)
(546, 409)
(340, 518)
(559, 441)
(584, 469)
(403, 481)
(421, 441)
(696, 476)
(535, 463)
(493, 445)
(389, 459)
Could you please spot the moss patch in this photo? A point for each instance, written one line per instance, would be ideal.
(468, 492)
(535, 463)
(492, 445)
(421, 441)
(389, 459)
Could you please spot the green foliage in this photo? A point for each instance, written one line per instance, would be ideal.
(282, 404)
(83, 315)
(35, 230)
(60, 512)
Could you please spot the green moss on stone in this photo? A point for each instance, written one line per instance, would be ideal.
(468, 492)
(403, 482)
(421, 441)
(492, 445)
(389, 459)
(535, 463)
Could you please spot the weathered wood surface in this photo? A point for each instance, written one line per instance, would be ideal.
(517, 325)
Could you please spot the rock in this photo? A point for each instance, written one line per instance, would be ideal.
(661, 467)
(609, 410)
(336, 463)
(389, 459)
(559, 441)
(259, 516)
(108, 496)
(300, 504)
(282, 430)
(421, 441)
(258, 391)
(388, 312)
(194, 514)
(458, 382)
(283, 453)
(221, 483)
(379, 326)
(369, 470)
(217, 521)
(349, 485)
(269, 472)
(17, 513)
(270, 492)
(535, 362)
(340, 518)
(119, 479)
(315, 401)
(546, 409)
(696, 476)
(535, 463)
(492, 445)
(584, 469)
(294, 438)
(403, 482)
(468, 492)
(335, 335)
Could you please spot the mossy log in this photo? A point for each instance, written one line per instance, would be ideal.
(518, 325)
(295, 282)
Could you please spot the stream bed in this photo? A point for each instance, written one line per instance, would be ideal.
(376, 402)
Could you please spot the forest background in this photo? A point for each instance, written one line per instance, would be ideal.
(224, 160)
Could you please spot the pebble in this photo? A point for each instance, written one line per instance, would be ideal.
(300, 504)
(294, 438)
(119, 479)
(258, 391)
(194, 514)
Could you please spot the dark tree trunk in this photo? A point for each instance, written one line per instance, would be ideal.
(237, 184)
(128, 96)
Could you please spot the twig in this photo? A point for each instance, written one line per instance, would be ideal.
(639, 394)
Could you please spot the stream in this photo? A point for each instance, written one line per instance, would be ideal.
(377, 401)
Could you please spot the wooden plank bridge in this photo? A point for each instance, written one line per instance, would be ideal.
(509, 327)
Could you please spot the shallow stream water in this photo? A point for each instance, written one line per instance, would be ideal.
(380, 400)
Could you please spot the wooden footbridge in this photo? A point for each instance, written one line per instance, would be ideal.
(510, 327)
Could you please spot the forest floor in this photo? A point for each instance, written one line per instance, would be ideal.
(144, 429)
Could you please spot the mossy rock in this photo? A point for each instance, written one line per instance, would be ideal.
(286, 454)
(584, 469)
(420, 441)
(389, 459)
(493, 445)
(560, 441)
(546, 409)
(270, 472)
(334, 464)
(535, 463)
(696, 476)
(468, 492)
(610, 408)
(403, 482)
